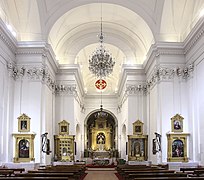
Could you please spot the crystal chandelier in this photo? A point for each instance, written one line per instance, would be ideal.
(101, 62)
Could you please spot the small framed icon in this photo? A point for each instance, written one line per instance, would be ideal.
(177, 123)
(23, 123)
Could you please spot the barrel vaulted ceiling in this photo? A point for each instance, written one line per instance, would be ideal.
(130, 27)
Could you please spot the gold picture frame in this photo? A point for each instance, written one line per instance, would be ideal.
(177, 147)
(138, 127)
(177, 123)
(63, 127)
(24, 147)
(137, 147)
(64, 147)
(23, 123)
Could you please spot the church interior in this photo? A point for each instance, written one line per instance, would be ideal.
(109, 82)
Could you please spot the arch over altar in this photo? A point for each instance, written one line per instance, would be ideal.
(101, 134)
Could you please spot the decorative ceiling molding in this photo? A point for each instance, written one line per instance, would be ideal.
(7, 37)
(194, 36)
(38, 48)
(168, 73)
(136, 89)
(62, 90)
(31, 51)
(40, 73)
(175, 48)
(73, 70)
(69, 89)
(162, 48)
(160, 74)
(129, 70)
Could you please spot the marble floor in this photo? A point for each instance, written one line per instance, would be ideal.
(101, 174)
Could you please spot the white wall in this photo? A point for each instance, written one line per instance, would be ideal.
(199, 107)
(197, 104)
(64, 110)
(195, 99)
(79, 129)
(6, 95)
(165, 112)
(123, 129)
(6, 113)
(152, 120)
(48, 120)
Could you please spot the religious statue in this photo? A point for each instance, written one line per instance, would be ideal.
(137, 149)
(101, 138)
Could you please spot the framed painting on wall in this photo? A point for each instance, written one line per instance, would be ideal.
(23, 123)
(24, 147)
(177, 147)
(138, 127)
(63, 127)
(177, 123)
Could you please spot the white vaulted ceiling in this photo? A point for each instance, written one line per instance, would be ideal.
(130, 28)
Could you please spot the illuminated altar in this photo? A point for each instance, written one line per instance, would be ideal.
(100, 138)
(101, 154)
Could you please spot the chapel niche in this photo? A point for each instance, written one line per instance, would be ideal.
(101, 135)
(177, 141)
(101, 130)
(64, 143)
(137, 143)
(24, 140)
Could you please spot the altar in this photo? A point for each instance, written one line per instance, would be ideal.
(100, 154)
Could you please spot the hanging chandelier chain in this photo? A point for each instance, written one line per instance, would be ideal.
(101, 35)
(101, 97)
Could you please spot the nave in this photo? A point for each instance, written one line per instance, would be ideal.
(93, 172)
(142, 104)
(101, 174)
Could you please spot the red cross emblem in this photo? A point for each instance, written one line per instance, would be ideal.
(100, 84)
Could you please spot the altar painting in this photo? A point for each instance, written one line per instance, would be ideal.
(137, 147)
(24, 147)
(177, 148)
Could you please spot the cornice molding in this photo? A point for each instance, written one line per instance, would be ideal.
(67, 89)
(194, 36)
(41, 73)
(37, 73)
(128, 70)
(38, 48)
(175, 48)
(136, 89)
(73, 70)
(7, 37)
(29, 48)
(160, 73)
(162, 48)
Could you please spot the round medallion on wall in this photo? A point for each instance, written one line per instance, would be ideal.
(100, 84)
